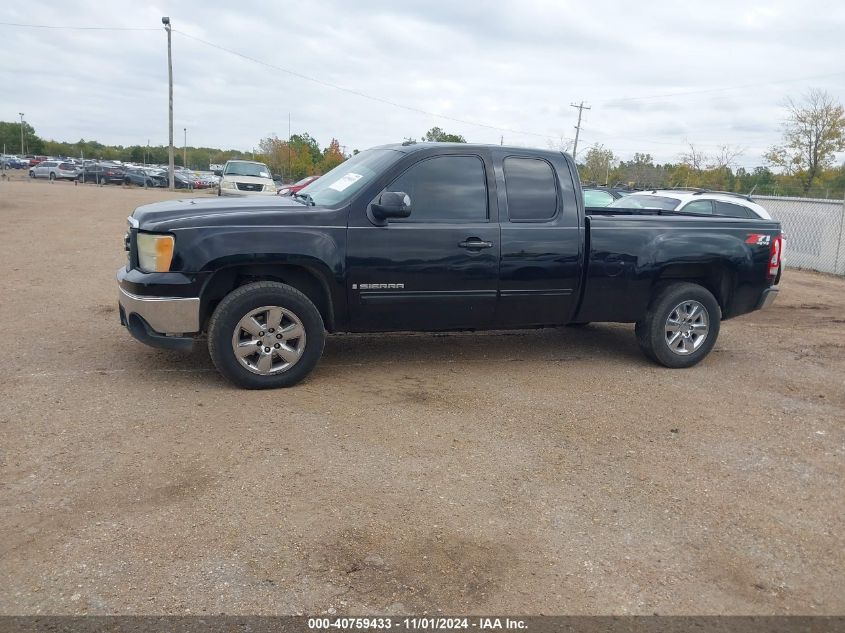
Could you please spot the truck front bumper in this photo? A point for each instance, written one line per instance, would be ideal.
(158, 321)
(768, 296)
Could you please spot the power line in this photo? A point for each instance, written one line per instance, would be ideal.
(364, 95)
(79, 28)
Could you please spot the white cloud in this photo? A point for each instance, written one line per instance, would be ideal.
(513, 65)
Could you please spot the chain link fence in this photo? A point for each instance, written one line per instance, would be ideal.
(814, 231)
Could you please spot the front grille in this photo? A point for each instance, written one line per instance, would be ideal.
(248, 186)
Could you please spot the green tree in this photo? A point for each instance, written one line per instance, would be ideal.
(597, 164)
(813, 132)
(435, 134)
(10, 137)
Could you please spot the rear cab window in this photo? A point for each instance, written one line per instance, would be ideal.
(531, 189)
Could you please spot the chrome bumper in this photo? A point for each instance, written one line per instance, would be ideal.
(165, 315)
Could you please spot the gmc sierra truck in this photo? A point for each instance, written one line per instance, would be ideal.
(428, 237)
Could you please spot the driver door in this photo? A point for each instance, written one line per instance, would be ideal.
(437, 269)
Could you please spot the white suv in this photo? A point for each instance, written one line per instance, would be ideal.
(246, 178)
(698, 201)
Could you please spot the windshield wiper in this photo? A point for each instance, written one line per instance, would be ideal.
(309, 201)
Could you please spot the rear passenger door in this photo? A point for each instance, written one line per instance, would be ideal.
(542, 240)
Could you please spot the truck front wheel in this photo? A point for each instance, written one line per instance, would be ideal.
(681, 325)
(265, 335)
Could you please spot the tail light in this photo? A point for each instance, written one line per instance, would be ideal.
(774, 257)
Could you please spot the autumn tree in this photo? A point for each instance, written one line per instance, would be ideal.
(813, 132)
(435, 134)
(332, 156)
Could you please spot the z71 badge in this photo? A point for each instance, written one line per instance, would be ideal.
(758, 239)
(378, 286)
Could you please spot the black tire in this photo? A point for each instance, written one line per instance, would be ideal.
(651, 331)
(102, 181)
(52, 177)
(31, 175)
(238, 304)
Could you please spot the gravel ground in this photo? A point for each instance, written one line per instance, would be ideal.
(551, 471)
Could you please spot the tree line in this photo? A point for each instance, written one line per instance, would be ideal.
(801, 164)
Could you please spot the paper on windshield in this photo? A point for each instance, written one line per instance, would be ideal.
(345, 181)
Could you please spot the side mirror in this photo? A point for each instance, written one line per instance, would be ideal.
(392, 204)
(218, 172)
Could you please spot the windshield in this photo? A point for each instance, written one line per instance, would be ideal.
(639, 201)
(345, 180)
(259, 170)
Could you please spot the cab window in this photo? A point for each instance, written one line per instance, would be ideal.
(445, 189)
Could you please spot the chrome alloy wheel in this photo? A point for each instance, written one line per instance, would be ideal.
(269, 340)
(687, 327)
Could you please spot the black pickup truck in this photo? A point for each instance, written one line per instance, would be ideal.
(429, 237)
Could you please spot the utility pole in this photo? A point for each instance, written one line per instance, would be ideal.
(581, 107)
(166, 21)
(290, 168)
(185, 149)
(22, 148)
(502, 140)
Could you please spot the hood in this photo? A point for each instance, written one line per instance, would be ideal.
(261, 210)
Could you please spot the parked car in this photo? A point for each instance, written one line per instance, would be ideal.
(54, 170)
(10, 161)
(102, 174)
(414, 237)
(696, 201)
(599, 196)
(289, 190)
(246, 178)
(144, 177)
(182, 181)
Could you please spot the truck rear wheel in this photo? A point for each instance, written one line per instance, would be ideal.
(681, 326)
(265, 335)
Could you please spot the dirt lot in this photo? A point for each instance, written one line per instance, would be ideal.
(549, 471)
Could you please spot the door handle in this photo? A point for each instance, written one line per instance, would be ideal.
(474, 242)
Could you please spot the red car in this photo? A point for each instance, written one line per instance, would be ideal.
(289, 190)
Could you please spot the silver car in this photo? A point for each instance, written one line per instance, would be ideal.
(54, 170)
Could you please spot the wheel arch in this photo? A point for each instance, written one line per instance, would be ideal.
(300, 276)
(718, 279)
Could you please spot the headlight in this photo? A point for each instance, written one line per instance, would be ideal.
(155, 252)
(227, 184)
(270, 188)
(284, 192)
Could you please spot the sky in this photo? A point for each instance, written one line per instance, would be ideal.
(657, 76)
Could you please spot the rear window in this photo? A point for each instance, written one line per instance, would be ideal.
(733, 210)
(639, 201)
(66, 166)
(531, 189)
